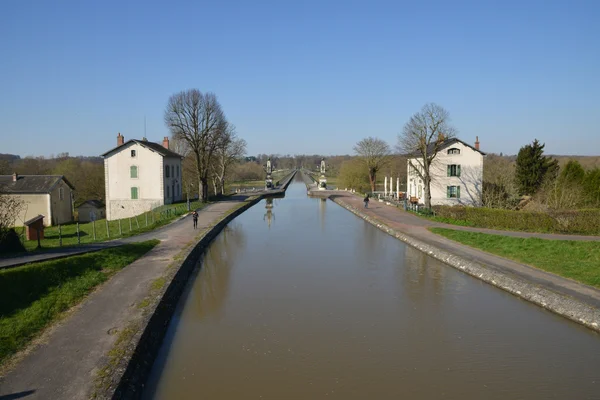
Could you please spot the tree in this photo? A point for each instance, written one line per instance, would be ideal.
(352, 176)
(421, 139)
(591, 187)
(572, 172)
(230, 150)
(197, 119)
(533, 168)
(10, 208)
(374, 154)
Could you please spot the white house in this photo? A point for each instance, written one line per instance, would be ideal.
(456, 175)
(140, 175)
(47, 195)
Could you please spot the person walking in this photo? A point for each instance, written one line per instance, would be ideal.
(195, 218)
(366, 200)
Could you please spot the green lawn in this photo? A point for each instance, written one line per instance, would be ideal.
(572, 259)
(35, 295)
(128, 227)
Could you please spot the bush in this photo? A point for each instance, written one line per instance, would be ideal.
(586, 222)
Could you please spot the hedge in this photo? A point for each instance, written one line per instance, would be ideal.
(585, 222)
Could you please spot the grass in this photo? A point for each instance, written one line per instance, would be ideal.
(129, 226)
(577, 260)
(34, 296)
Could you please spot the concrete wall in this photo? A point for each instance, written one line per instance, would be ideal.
(118, 181)
(61, 210)
(470, 180)
(34, 204)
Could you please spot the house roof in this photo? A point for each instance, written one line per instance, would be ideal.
(93, 203)
(446, 143)
(31, 184)
(159, 148)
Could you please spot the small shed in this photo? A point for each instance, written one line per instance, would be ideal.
(35, 227)
(91, 210)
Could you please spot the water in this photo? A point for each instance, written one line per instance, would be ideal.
(311, 302)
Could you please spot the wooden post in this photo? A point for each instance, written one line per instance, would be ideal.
(78, 235)
(59, 236)
(94, 228)
(38, 237)
(107, 229)
(130, 224)
(120, 230)
(152, 217)
(137, 222)
(146, 219)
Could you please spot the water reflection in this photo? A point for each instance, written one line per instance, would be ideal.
(269, 216)
(211, 287)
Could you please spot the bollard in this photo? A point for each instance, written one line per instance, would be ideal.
(59, 236)
(107, 230)
(94, 228)
(78, 235)
(120, 230)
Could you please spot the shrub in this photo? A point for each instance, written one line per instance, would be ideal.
(585, 222)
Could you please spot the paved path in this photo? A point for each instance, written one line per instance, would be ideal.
(65, 364)
(416, 227)
(407, 218)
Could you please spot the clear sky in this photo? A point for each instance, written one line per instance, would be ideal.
(300, 76)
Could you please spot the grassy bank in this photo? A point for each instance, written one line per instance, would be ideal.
(97, 231)
(34, 296)
(571, 259)
(582, 222)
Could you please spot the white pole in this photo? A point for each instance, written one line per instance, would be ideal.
(385, 186)
(398, 188)
(391, 186)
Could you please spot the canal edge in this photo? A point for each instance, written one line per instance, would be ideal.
(563, 305)
(129, 370)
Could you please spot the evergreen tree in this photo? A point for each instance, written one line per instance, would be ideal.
(572, 173)
(533, 168)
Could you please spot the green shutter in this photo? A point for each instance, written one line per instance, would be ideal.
(134, 193)
(449, 167)
(458, 170)
(133, 171)
(458, 192)
(448, 191)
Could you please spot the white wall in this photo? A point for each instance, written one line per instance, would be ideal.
(118, 181)
(470, 180)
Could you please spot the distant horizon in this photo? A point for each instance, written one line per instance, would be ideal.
(300, 78)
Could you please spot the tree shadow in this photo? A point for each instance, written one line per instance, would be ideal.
(17, 395)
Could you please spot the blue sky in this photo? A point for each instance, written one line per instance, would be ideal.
(302, 76)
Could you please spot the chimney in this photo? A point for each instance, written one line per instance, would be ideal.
(120, 139)
(15, 176)
(166, 142)
(477, 142)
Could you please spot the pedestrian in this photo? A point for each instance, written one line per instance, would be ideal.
(195, 218)
(366, 200)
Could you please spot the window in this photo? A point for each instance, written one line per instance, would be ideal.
(168, 192)
(132, 153)
(178, 171)
(61, 193)
(133, 171)
(134, 193)
(166, 171)
(453, 151)
(453, 192)
(173, 171)
(453, 170)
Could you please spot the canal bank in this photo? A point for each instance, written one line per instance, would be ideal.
(570, 299)
(102, 344)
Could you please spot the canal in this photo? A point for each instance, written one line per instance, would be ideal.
(300, 299)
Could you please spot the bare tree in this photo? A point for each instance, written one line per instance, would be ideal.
(421, 139)
(10, 208)
(179, 146)
(197, 119)
(230, 150)
(375, 154)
